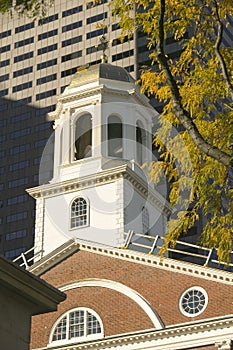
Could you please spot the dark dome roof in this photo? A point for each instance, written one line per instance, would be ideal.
(98, 71)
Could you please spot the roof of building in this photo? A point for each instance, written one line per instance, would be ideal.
(87, 74)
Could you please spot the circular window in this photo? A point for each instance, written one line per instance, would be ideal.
(193, 301)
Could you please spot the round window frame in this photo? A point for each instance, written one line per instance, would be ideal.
(194, 288)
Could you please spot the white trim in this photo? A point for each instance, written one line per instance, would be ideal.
(194, 288)
(123, 289)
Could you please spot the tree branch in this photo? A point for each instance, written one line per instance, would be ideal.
(218, 53)
(179, 111)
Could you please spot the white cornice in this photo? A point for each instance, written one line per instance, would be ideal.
(101, 178)
(183, 336)
(166, 264)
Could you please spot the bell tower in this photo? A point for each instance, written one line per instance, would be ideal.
(99, 191)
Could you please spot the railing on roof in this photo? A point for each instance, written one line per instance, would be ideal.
(145, 243)
(182, 251)
(26, 259)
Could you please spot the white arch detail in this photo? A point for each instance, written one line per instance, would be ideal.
(121, 288)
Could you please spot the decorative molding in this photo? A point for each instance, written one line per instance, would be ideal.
(123, 289)
(224, 345)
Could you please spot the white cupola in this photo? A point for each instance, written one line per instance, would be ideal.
(102, 137)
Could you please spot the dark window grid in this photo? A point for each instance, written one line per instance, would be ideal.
(5, 34)
(24, 27)
(96, 18)
(20, 133)
(71, 26)
(96, 32)
(19, 165)
(40, 143)
(130, 68)
(5, 48)
(22, 102)
(42, 127)
(118, 41)
(19, 149)
(4, 77)
(16, 217)
(3, 122)
(2, 154)
(2, 170)
(2, 138)
(48, 19)
(45, 94)
(115, 26)
(72, 11)
(47, 64)
(46, 79)
(45, 110)
(23, 71)
(24, 42)
(18, 182)
(20, 117)
(23, 86)
(18, 199)
(79, 213)
(16, 234)
(71, 56)
(24, 56)
(68, 72)
(122, 55)
(3, 107)
(93, 49)
(3, 92)
(72, 41)
(10, 254)
(94, 4)
(47, 34)
(4, 63)
(47, 49)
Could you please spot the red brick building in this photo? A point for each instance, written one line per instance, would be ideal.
(117, 297)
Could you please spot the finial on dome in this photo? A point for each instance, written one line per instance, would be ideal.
(104, 46)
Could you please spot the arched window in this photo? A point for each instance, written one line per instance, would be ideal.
(79, 213)
(83, 137)
(77, 324)
(115, 141)
(140, 141)
(145, 221)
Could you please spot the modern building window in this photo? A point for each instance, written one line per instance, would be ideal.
(72, 26)
(20, 148)
(40, 143)
(24, 56)
(18, 199)
(45, 110)
(72, 11)
(47, 64)
(140, 142)
(24, 42)
(71, 56)
(130, 68)
(68, 72)
(16, 234)
(48, 19)
(3, 122)
(92, 49)
(47, 35)
(22, 71)
(145, 221)
(119, 41)
(24, 27)
(42, 127)
(91, 4)
(115, 26)
(121, 55)
(47, 49)
(79, 216)
(77, 324)
(5, 48)
(71, 41)
(20, 133)
(18, 182)
(46, 79)
(5, 34)
(3, 92)
(22, 86)
(20, 117)
(2, 154)
(21, 102)
(96, 32)
(20, 165)
(13, 253)
(115, 134)
(4, 77)
(83, 137)
(45, 94)
(193, 301)
(2, 138)
(16, 217)
(4, 63)
(97, 18)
